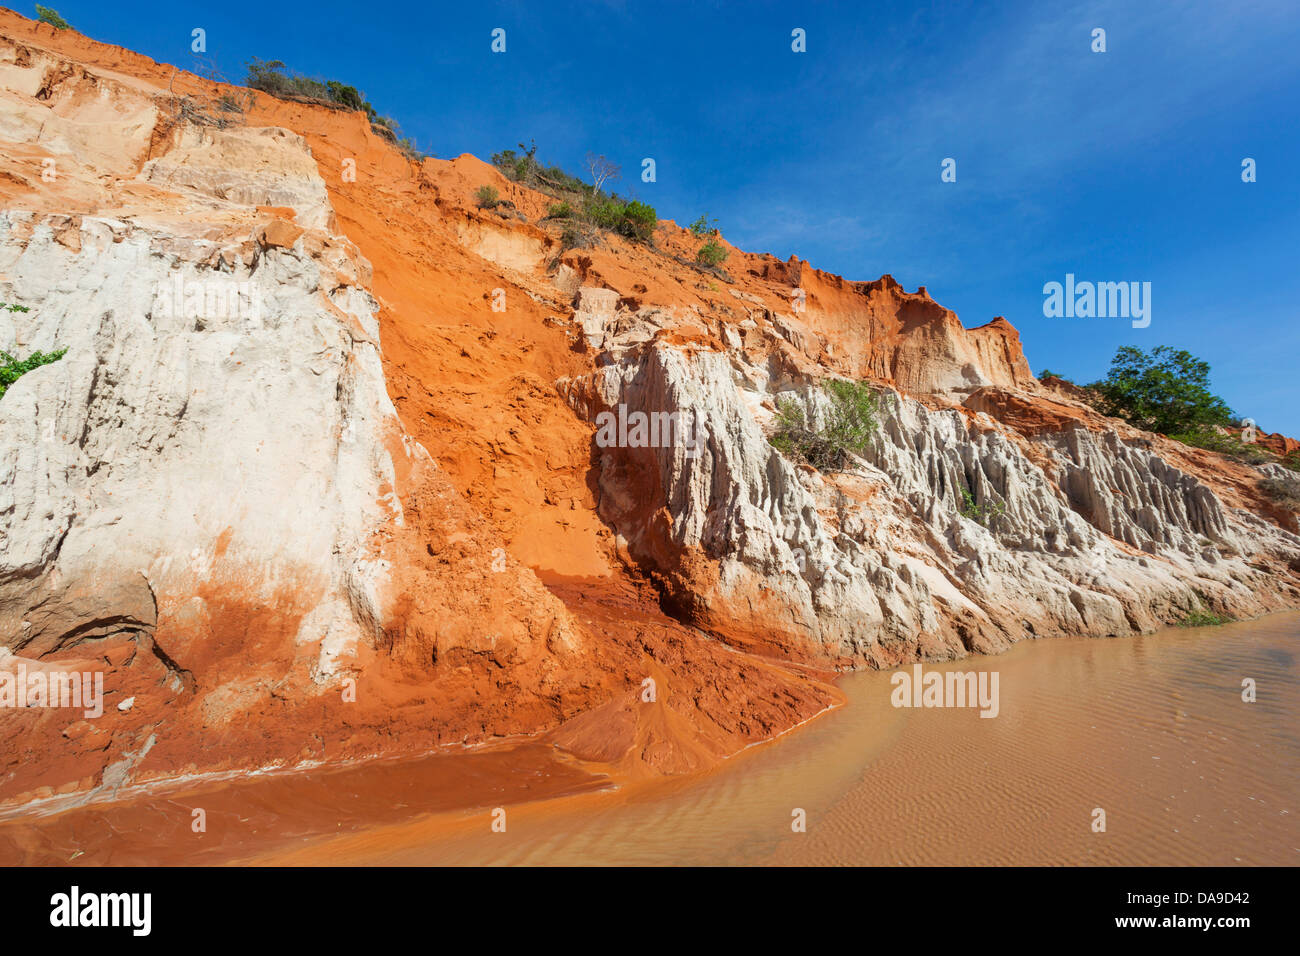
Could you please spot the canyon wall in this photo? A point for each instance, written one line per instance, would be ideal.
(321, 477)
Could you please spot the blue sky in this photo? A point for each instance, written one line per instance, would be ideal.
(1115, 166)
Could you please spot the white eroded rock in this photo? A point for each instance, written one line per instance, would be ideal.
(890, 552)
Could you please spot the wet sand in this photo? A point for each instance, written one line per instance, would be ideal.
(247, 814)
(1152, 730)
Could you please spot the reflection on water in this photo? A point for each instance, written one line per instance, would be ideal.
(1152, 730)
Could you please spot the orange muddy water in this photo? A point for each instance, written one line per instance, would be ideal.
(1151, 730)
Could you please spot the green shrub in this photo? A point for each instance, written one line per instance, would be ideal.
(272, 76)
(412, 152)
(590, 208)
(1166, 391)
(487, 197)
(525, 168)
(1232, 446)
(980, 513)
(556, 179)
(46, 15)
(639, 221)
(12, 369)
(269, 76)
(1204, 619)
(1282, 491)
(507, 162)
(520, 167)
(578, 234)
(348, 96)
(847, 426)
(700, 228)
(603, 211)
(711, 254)
(1046, 373)
(633, 220)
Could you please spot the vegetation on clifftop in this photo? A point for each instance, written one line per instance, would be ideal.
(586, 207)
(46, 15)
(1167, 391)
(273, 77)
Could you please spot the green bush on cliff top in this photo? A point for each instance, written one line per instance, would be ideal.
(588, 209)
(1166, 390)
(46, 15)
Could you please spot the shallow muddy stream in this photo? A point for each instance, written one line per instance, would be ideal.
(1153, 731)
